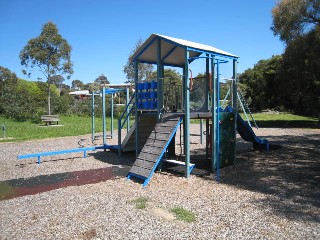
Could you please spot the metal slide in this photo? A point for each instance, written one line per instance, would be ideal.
(248, 135)
(155, 147)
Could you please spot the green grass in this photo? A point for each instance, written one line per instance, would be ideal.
(75, 126)
(140, 202)
(72, 126)
(183, 214)
(283, 120)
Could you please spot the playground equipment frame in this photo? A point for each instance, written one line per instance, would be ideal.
(180, 53)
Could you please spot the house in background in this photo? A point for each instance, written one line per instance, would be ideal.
(82, 94)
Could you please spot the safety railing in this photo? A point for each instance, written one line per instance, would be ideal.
(172, 99)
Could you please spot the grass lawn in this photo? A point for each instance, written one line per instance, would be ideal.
(75, 125)
(72, 126)
(283, 120)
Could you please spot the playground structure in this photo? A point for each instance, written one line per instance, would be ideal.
(170, 105)
(161, 106)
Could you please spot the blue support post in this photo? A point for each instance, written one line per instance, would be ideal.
(207, 83)
(112, 113)
(186, 125)
(214, 116)
(201, 131)
(159, 80)
(207, 139)
(208, 87)
(218, 124)
(234, 100)
(93, 130)
(119, 137)
(104, 114)
(128, 110)
(136, 71)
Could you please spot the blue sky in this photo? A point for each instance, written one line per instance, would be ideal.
(103, 33)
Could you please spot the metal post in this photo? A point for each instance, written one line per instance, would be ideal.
(93, 130)
(207, 82)
(119, 137)
(159, 80)
(234, 101)
(218, 124)
(186, 125)
(104, 114)
(214, 116)
(128, 110)
(207, 139)
(112, 113)
(201, 132)
(136, 65)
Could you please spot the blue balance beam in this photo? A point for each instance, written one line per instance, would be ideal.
(66, 151)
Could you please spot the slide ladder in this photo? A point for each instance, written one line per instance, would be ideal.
(248, 135)
(155, 147)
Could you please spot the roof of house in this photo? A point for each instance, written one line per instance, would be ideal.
(173, 51)
(81, 92)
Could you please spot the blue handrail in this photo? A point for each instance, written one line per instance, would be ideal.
(125, 115)
(125, 112)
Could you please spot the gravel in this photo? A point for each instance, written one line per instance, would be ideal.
(266, 195)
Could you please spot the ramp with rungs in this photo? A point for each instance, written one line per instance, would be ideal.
(155, 147)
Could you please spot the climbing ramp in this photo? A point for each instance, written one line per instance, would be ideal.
(155, 147)
(248, 135)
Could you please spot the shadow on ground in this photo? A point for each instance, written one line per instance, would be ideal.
(29, 186)
(289, 176)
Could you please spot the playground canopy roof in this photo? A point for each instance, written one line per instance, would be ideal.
(111, 90)
(173, 51)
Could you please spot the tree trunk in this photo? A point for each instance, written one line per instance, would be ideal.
(49, 99)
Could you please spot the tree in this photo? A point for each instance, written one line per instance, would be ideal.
(169, 75)
(297, 22)
(65, 89)
(144, 70)
(48, 52)
(102, 79)
(93, 87)
(260, 83)
(57, 80)
(295, 18)
(8, 80)
(77, 84)
(300, 75)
